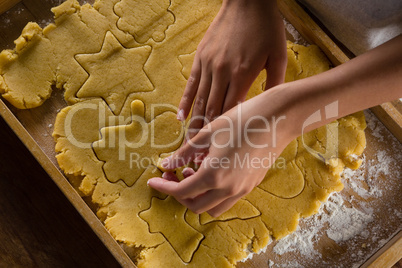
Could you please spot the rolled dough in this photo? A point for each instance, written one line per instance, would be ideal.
(123, 60)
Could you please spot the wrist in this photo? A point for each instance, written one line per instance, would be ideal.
(287, 106)
(306, 105)
(264, 4)
(280, 108)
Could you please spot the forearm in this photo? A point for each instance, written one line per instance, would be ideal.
(365, 81)
(272, 3)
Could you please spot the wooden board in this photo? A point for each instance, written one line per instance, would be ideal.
(8, 4)
(388, 255)
(61, 181)
(39, 227)
(310, 30)
(389, 113)
(34, 127)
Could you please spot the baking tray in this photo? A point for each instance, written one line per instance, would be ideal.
(34, 127)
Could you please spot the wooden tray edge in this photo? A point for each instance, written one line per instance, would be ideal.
(387, 113)
(310, 30)
(388, 255)
(391, 117)
(64, 185)
(7, 4)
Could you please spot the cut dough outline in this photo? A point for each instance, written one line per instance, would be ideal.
(112, 106)
(317, 183)
(150, 38)
(203, 223)
(293, 196)
(184, 219)
(149, 124)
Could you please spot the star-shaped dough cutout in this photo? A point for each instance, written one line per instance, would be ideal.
(115, 72)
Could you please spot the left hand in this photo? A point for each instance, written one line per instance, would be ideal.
(221, 179)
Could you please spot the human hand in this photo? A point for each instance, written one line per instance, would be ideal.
(365, 81)
(236, 149)
(244, 38)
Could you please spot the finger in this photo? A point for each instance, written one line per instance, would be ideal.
(223, 207)
(170, 176)
(216, 97)
(276, 70)
(200, 102)
(187, 172)
(194, 149)
(234, 95)
(198, 160)
(206, 201)
(190, 91)
(191, 187)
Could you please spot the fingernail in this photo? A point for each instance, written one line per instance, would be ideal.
(152, 180)
(180, 115)
(187, 172)
(164, 175)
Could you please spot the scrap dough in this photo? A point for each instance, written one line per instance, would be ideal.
(123, 66)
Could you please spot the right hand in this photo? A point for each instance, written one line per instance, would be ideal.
(246, 37)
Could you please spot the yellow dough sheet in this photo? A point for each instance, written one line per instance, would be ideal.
(123, 66)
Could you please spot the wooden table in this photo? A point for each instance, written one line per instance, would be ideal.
(38, 225)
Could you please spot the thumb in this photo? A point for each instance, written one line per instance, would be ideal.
(193, 149)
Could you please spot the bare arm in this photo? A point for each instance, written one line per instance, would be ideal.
(367, 80)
